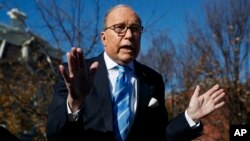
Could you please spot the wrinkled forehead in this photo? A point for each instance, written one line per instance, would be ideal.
(122, 15)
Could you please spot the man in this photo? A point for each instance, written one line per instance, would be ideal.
(84, 104)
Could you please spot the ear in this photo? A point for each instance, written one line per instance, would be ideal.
(103, 38)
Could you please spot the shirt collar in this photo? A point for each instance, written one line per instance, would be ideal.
(110, 64)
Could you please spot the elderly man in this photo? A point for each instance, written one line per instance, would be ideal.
(114, 97)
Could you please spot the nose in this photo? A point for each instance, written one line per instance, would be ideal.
(128, 33)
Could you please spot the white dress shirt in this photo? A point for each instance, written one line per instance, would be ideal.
(113, 74)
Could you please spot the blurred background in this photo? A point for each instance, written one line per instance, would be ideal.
(189, 42)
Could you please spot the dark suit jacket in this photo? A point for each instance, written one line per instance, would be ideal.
(95, 121)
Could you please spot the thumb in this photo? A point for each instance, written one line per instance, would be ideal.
(91, 75)
(94, 67)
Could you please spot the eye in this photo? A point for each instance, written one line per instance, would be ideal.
(135, 27)
(120, 27)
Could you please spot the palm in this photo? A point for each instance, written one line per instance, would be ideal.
(203, 105)
(78, 79)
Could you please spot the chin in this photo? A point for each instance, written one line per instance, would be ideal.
(126, 60)
(128, 57)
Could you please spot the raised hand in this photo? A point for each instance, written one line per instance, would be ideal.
(205, 104)
(78, 80)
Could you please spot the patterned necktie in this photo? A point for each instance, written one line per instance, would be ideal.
(121, 108)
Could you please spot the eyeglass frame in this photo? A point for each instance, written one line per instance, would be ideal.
(113, 27)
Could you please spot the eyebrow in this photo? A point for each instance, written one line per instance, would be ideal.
(126, 23)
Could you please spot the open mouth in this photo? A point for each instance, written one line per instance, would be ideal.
(126, 49)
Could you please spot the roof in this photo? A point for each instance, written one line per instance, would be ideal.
(13, 35)
(20, 37)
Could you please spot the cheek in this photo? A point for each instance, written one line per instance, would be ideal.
(113, 43)
(112, 47)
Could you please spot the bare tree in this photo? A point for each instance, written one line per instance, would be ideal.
(231, 28)
(218, 52)
(160, 56)
(69, 25)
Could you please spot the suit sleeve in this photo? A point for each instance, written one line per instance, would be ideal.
(178, 129)
(58, 125)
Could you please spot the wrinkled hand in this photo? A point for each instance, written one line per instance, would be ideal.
(205, 104)
(77, 79)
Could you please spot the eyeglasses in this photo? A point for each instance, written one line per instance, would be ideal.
(122, 28)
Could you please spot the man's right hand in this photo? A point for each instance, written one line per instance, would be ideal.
(78, 81)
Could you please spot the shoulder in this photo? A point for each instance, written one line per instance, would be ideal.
(147, 71)
(91, 60)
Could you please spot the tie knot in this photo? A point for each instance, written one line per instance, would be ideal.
(122, 68)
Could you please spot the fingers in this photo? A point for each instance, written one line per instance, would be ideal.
(219, 105)
(217, 93)
(81, 62)
(218, 97)
(75, 61)
(64, 73)
(71, 64)
(75, 57)
(212, 90)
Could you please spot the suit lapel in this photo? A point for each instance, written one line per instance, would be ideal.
(103, 90)
(143, 88)
(101, 84)
(142, 96)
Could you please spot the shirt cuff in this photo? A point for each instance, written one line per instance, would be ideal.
(191, 123)
(72, 116)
